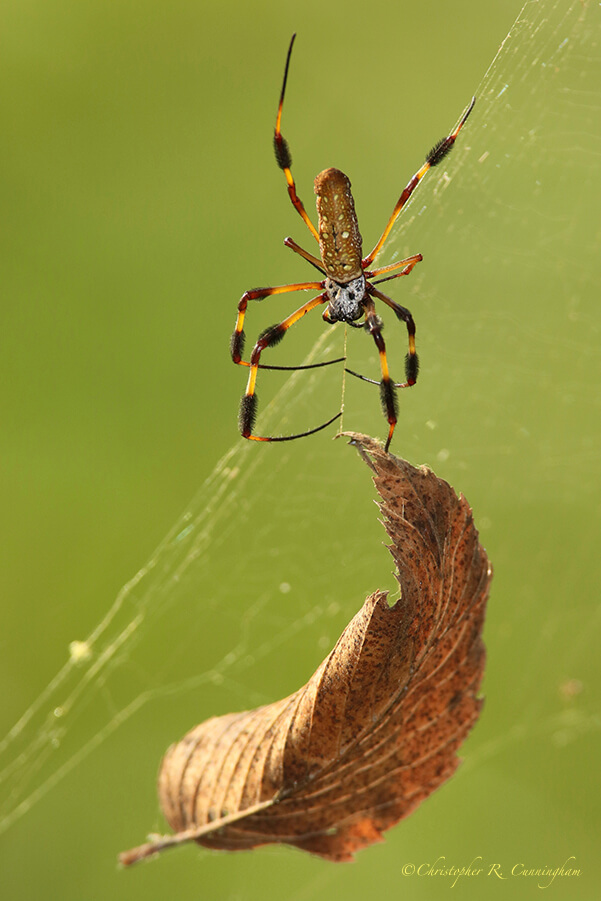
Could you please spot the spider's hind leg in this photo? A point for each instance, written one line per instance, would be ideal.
(283, 155)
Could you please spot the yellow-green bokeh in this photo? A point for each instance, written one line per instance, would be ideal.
(140, 198)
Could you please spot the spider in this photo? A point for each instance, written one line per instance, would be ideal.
(347, 288)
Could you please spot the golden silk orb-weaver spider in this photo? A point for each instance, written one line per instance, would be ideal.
(347, 288)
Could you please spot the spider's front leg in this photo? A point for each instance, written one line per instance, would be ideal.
(404, 315)
(387, 387)
(238, 337)
(269, 338)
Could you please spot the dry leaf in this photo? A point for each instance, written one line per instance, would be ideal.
(377, 727)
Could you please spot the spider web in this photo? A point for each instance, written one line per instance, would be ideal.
(523, 188)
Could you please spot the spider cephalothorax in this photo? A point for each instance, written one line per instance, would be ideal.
(346, 302)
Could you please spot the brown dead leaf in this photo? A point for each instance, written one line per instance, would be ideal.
(377, 727)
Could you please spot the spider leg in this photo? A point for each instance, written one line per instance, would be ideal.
(436, 155)
(407, 265)
(364, 378)
(387, 390)
(296, 368)
(402, 313)
(284, 157)
(269, 338)
(315, 261)
(238, 337)
(411, 360)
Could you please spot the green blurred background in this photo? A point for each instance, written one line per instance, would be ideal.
(140, 198)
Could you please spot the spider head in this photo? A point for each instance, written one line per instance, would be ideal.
(346, 300)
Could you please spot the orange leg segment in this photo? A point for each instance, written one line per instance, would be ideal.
(387, 389)
(402, 313)
(284, 157)
(269, 338)
(436, 155)
(238, 337)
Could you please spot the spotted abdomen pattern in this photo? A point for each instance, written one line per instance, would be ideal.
(339, 236)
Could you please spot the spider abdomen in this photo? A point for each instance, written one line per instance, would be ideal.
(339, 236)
